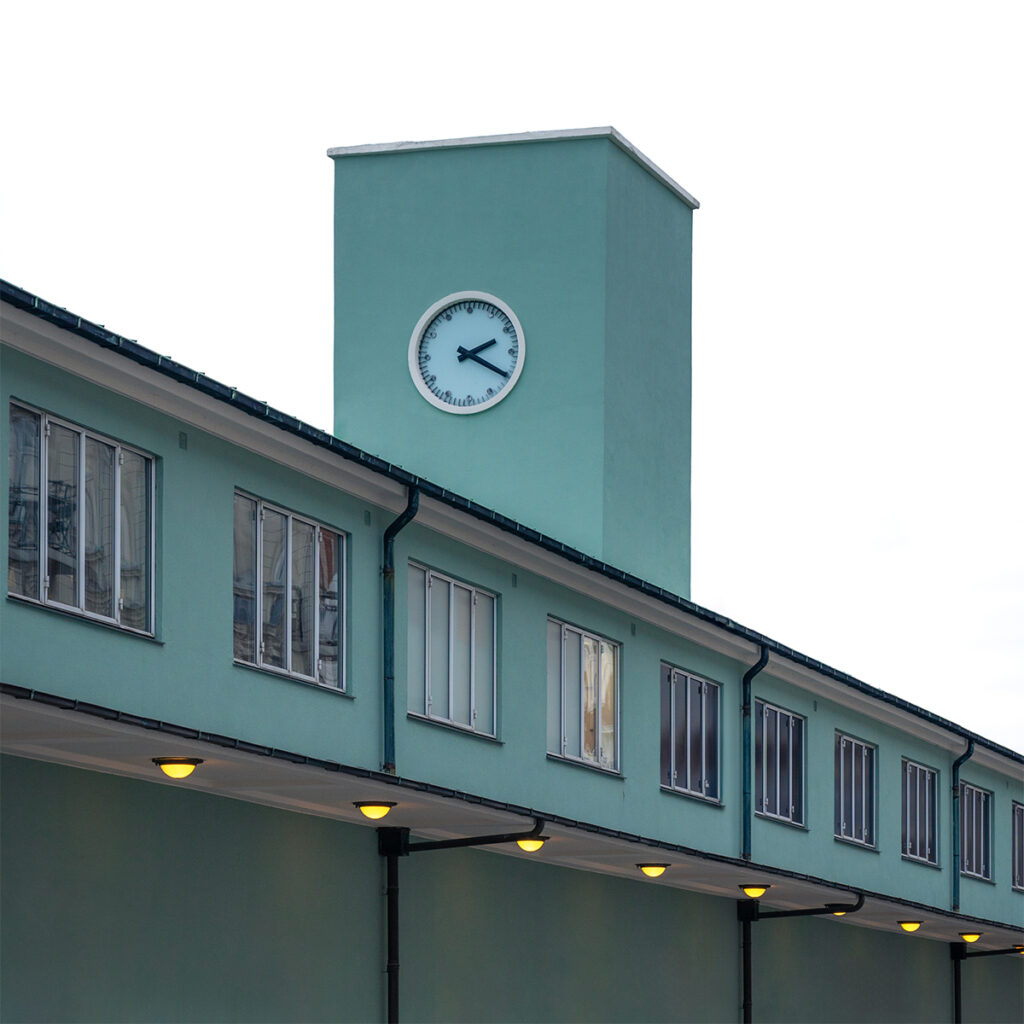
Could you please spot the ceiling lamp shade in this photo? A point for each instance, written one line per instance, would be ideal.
(177, 767)
(374, 809)
(971, 936)
(653, 870)
(754, 892)
(531, 845)
(909, 926)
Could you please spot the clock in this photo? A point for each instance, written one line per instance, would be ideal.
(466, 352)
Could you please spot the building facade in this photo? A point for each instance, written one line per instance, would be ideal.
(472, 604)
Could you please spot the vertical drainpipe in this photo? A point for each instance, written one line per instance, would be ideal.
(388, 611)
(956, 821)
(747, 799)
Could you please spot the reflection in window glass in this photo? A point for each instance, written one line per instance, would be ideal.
(289, 609)
(95, 512)
(689, 749)
(451, 650)
(23, 505)
(584, 693)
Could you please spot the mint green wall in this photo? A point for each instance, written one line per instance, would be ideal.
(647, 377)
(187, 677)
(592, 446)
(123, 900)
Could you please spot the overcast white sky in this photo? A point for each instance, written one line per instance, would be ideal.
(858, 259)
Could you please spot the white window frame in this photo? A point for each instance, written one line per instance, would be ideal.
(678, 776)
(925, 826)
(46, 420)
(565, 629)
(473, 726)
(261, 508)
(975, 810)
(795, 772)
(864, 760)
(1017, 845)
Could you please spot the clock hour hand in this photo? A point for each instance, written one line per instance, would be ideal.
(469, 353)
(465, 353)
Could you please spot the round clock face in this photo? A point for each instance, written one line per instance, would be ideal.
(466, 352)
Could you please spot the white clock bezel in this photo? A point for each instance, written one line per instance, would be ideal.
(417, 337)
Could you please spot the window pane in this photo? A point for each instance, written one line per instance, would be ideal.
(244, 579)
(759, 772)
(682, 735)
(483, 686)
(609, 683)
(275, 588)
(839, 786)
(589, 698)
(62, 517)
(99, 528)
(711, 741)
(773, 751)
(554, 688)
(23, 505)
(929, 847)
(302, 599)
(666, 725)
(330, 610)
(869, 794)
(417, 639)
(850, 813)
(693, 735)
(911, 825)
(439, 592)
(573, 691)
(797, 779)
(462, 599)
(135, 542)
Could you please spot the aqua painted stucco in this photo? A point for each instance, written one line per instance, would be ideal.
(593, 254)
(126, 900)
(186, 676)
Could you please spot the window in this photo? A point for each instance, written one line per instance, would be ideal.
(289, 594)
(779, 763)
(583, 699)
(920, 810)
(855, 790)
(80, 533)
(452, 651)
(689, 733)
(975, 848)
(1017, 829)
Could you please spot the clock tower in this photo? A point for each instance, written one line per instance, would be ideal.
(512, 322)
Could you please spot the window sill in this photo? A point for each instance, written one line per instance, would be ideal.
(265, 671)
(978, 878)
(709, 800)
(454, 727)
(78, 616)
(576, 762)
(868, 847)
(934, 865)
(799, 826)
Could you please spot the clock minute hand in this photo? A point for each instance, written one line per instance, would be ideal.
(468, 353)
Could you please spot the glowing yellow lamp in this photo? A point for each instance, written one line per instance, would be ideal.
(970, 936)
(177, 767)
(653, 870)
(531, 845)
(374, 809)
(839, 913)
(755, 892)
(909, 926)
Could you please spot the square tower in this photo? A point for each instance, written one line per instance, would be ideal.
(512, 321)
